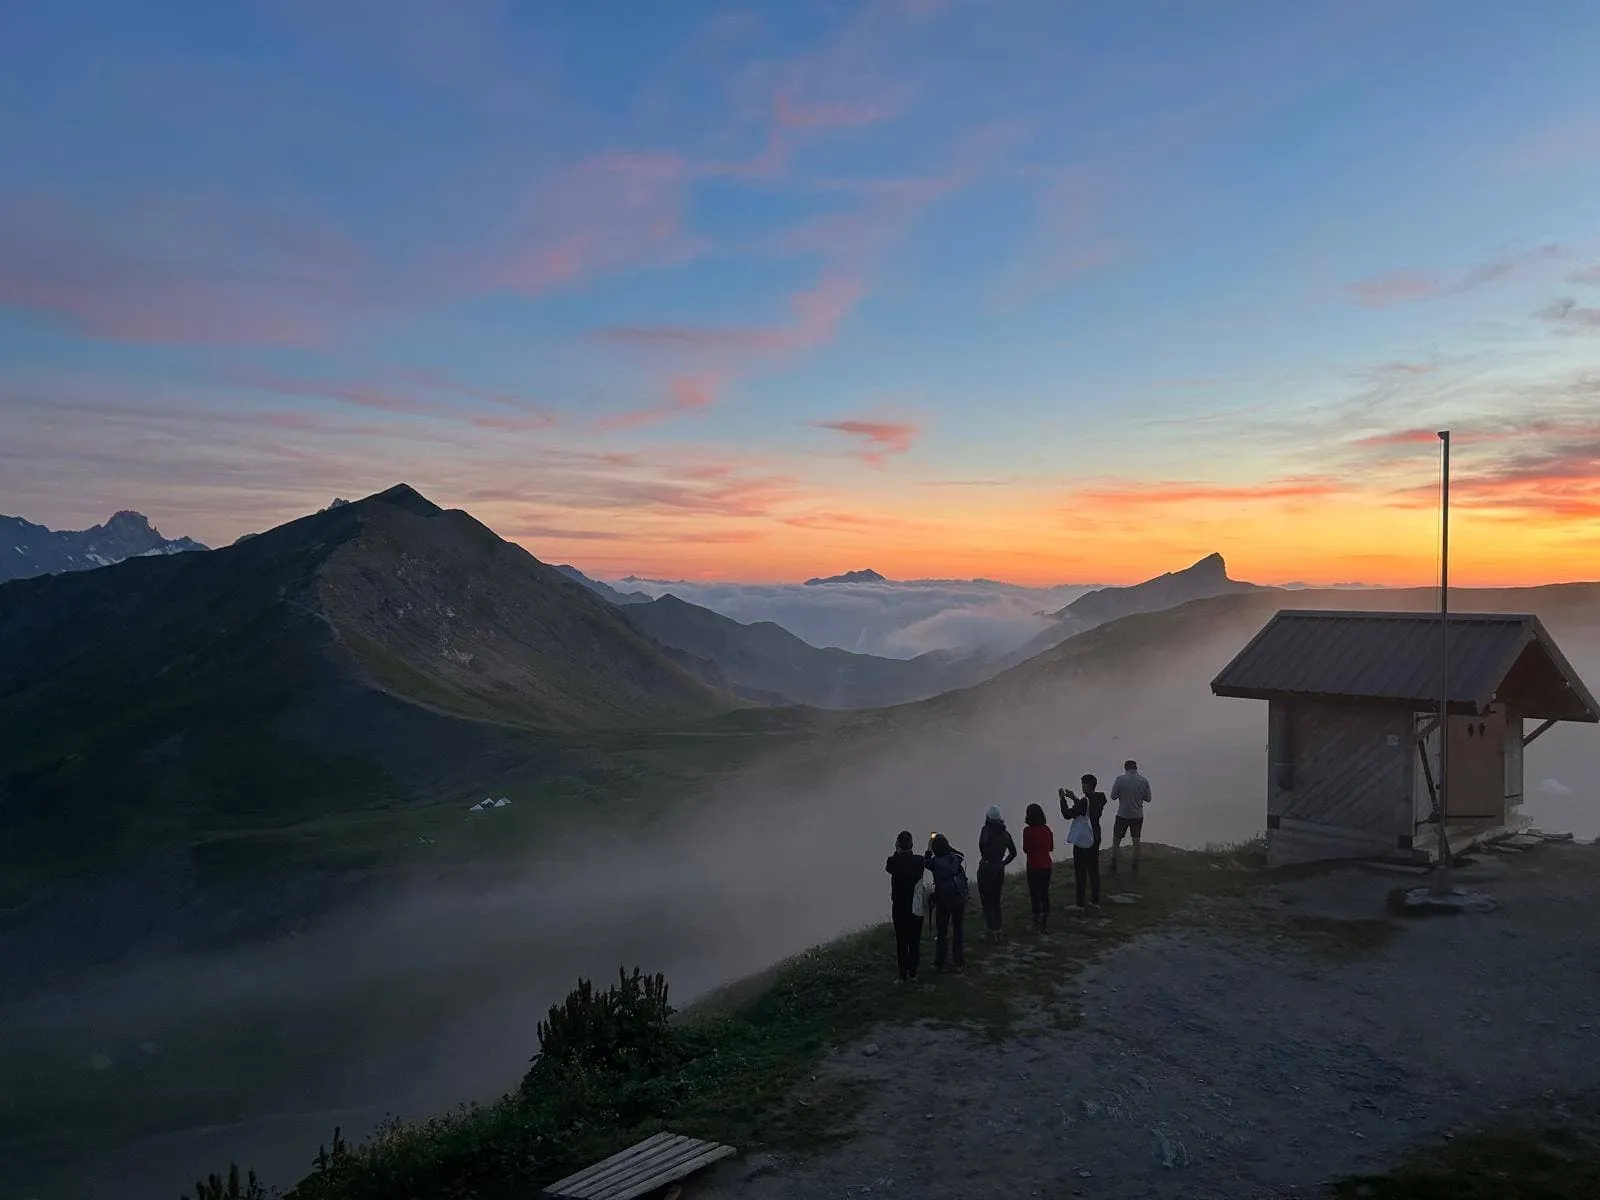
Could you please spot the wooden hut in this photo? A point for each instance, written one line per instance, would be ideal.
(1353, 727)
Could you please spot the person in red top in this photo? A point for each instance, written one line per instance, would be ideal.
(1038, 847)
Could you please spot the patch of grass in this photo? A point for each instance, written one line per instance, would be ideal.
(1522, 1163)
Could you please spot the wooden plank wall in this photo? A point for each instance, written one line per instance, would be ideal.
(1349, 782)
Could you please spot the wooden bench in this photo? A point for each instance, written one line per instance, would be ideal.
(640, 1170)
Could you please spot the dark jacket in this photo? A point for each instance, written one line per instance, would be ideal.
(995, 846)
(905, 869)
(945, 868)
(1091, 806)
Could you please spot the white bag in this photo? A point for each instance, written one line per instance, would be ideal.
(1080, 833)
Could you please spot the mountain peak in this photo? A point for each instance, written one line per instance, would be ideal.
(1212, 564)
(403, 495)
(32, 550)
(866, 575)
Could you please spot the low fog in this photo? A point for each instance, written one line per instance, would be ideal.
(431, 998)
(894, 620)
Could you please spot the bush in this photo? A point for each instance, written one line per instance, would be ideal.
(593, 1038)
(213, 1188)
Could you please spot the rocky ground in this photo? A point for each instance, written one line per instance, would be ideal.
(1217, 1061)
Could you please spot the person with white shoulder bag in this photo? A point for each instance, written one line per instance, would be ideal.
(1083, 835)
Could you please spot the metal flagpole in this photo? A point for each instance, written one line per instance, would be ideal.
(1441, 875)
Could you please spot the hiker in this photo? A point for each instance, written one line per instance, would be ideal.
(907, 870)
(1085, 858)
(1131, 791)
(947, 866)
(1038, 847)
(996, 851)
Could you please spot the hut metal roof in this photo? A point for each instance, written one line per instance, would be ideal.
(1393, 658)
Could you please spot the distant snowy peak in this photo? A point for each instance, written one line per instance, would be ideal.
(27, 549)
(864, 576)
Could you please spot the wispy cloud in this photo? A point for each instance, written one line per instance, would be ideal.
(601, 214)
(846, 82)
(1570, 315)
(817, 313)
(685, 394)
(878, 440)
(180, 269)
(1166, 494)
(402, 398)
(1586, 275)
(1067, 239)
(1409, 284)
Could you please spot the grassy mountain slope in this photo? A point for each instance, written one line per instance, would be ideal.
(763, 656)
(1206, 578)
(367, 656)
(1134, 651)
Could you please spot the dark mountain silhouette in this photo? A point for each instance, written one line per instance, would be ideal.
(27, 550)
(765, 659)
(604, 590)
(866, 576)
(1208, 577)
(371, 653)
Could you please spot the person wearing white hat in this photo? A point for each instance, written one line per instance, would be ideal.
(996, 850)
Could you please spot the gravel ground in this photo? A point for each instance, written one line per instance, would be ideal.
(1214, 1064)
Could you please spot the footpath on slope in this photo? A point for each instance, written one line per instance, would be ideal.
(1272, 1040)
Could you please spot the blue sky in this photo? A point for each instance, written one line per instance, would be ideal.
(748, 290)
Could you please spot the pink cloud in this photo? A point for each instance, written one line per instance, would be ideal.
(685, 394)
(600, 215)
(879, 439)
(1395, 287)
(179, 269)
(1585, 275)
(817, 313)
(404, 400)
(845, 82)
(827, 116)
(1410, 284)
(1067, 237)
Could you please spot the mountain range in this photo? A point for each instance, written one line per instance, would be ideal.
(27, 550)
(315, 691)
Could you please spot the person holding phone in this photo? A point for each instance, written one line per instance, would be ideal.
(1085, 859)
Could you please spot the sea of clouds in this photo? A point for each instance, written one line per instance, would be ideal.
(892, 619)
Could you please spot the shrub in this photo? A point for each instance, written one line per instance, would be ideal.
(593, 1038)
(213, 1188)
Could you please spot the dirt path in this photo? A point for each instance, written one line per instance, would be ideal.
(1232, 1065)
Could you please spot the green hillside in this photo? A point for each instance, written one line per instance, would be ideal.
(367, 657)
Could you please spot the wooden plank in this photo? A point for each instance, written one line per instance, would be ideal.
(588, 1174)
(712, 1153)
(620, 1176)
(640, 1169)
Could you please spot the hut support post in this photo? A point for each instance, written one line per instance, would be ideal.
(1528, 740)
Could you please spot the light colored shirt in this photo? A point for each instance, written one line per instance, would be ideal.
(1131, 791)
(922, 898)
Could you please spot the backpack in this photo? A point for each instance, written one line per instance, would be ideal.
(955, 888)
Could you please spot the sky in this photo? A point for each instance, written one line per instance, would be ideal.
(1022, 289)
